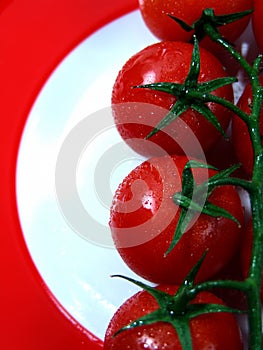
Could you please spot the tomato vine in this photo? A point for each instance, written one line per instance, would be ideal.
(195, 95)
(251, 286)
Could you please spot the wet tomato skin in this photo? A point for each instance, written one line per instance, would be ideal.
(154, 13)
(144, 217)
(165, 62)
(217, 331)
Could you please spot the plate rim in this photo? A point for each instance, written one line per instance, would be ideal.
(23, 285)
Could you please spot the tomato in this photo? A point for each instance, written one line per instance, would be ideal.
(232, 271)
(240, 134)
(165, 62)
(246, 252)
(215, 330)
(224, 147)
(144, 216)
(257, 23)
(154, 13)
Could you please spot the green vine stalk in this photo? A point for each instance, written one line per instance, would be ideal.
(252, 284)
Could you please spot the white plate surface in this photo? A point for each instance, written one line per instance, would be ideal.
(77, 271)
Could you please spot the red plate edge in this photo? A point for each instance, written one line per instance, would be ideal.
(35, 37)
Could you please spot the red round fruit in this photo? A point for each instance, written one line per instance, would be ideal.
(144, 217)
(233, 271)
(138, 110)
(240, 134)
(257, 23)
(154, 13)
(216, 330)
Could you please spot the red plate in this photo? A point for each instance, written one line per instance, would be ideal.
(35, 37)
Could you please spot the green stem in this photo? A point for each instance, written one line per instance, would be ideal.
(253, 283)
(246, 185)
(255, 272)
(216, 36)
(231, 284)
(216, 99)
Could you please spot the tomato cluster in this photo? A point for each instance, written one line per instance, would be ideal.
(145, 212)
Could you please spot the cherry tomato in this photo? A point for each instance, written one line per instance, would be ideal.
(240, 134)
(144, 217)
(210, 331)
(165, 62)
(154, 13)
(246, 252)
(223, 147)
(233, 271)
(257, 23)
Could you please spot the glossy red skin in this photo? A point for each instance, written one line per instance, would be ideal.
(246, 252)
(257, 23)
(233, 271)
(154, 13)
(240, 135)
(218, 331)
(156, 209)
(166, 62)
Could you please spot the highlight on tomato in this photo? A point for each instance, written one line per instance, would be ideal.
(145, 215)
